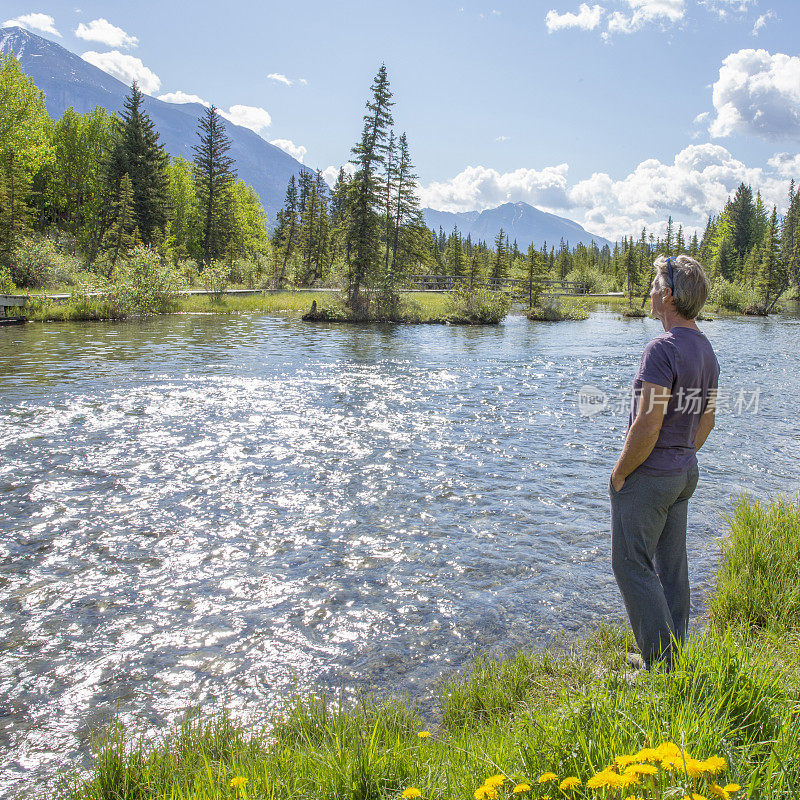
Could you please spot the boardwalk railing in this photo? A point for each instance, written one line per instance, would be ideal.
(515, 286)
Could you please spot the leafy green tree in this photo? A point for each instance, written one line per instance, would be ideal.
(182, 201)
(366, 197)
(214, 177)
(138, 153)
(249, 236)
(25, 149)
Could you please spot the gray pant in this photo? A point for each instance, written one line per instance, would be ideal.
(648, 554)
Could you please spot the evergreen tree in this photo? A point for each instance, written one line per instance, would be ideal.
(790, 238)
(500, 261)
(286, 232)
(138, 154)
(214, 176)
(743, 222)
(773, 279)
(669, 244)
(123, 232)
(365, 200)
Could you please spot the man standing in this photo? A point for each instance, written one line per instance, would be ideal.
(674, 395)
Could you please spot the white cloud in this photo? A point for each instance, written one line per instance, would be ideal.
(101, 30)
(762, 21)
(587, 18)
(644, 12)
(296, 151)
(126, 68)
(724, 8)
(501, 138)
(183, 97)
(758, 94)
(477, 188)
(697, 183)
(331, 173)
(787, 165)
(302, 81)
(257, 119)
(33, 22)
(278, 78)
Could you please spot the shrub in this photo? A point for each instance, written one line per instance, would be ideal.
(6, 282)
(596, 282)
(145, 283)
(214, 278)
(466, 306)
(559, 309)
(37, 262)
(731, 296)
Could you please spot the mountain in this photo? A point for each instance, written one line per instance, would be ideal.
(69, 81)
(520, 221)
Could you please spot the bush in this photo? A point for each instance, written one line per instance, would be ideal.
(731, 296)
(6, 282)
(37, 262)
(596, 282)
(214, 278)
(476, 306)
(145, 283)
(559, 309)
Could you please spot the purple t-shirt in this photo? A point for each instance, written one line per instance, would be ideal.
(683, 360)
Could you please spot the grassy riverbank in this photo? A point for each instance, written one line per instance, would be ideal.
(427, 306)
(572, 711)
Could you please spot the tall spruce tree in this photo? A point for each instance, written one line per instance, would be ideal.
(286, 232)
(366, 196)
(773, 279)
(214, 176)
(138, 153)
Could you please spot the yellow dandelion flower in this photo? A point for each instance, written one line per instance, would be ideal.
(485, 793)
(412, 793)
(495, 781)
(546, 797)
(668, 750)
(628, 779)
(569, 783)
(641, 769)
(238, 782)
(694, 768)
(718, 791)
(545, 777)
(624, 761)
(521, 788)
(732, 788)
(648, 754)
(602, 779)
(714, 765)
(424, 734)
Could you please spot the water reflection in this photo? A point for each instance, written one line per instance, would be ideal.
(199, 507)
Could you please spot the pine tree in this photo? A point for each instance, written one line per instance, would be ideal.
(138, 153)
(286, 232)
(500, 262)
(773, 279)
(214, 176)
(407, 218)
(122, 234)
(743, 222)
(790, 238)
(365, 200)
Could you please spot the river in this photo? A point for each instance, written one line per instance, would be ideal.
(206, 508)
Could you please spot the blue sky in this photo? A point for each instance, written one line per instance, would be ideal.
(614, 113)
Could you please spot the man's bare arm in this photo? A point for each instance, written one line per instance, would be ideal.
(643, 434)
(706, 421)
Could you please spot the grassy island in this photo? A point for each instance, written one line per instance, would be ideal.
(571, 722)
(559, 310)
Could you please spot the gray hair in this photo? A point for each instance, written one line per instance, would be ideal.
(691, 284)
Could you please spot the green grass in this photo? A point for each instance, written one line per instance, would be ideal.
(272, 302)
(561, 310)
(758, 584)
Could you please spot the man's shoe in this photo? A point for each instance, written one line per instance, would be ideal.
(635, 661)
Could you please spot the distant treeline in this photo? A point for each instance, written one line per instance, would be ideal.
(95, 186)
